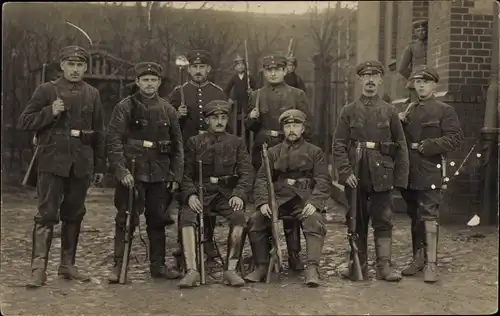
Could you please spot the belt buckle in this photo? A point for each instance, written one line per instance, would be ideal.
(214, 180)
(414, 146)
(274, 133)
(370, 145)
(201, 132)
(75, 133)
(291, 181)
(147, 144)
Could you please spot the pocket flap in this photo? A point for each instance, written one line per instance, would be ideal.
(432, 123)
(383, 124)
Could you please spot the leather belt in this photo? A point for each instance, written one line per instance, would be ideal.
(273, 133)
(414, 145)
(143, 143)
(369, 145)
(222, 179)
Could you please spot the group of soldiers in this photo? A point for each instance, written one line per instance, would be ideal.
(177, 141)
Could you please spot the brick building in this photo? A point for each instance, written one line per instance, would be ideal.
(460, 48)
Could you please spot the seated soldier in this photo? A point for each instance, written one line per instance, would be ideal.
(302, 187)
(227, 175)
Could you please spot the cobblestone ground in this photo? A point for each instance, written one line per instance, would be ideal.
(468, 265)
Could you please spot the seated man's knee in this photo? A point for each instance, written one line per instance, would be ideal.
(238, 219)
(314, 224)
(258, 222)
(188, 217)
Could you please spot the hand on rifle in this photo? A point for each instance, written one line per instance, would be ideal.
(352, 181)
(230, 101)
(421, 147)
(402, 117)
(98, 177)
(266, 210)
(182, 110)
(195, 204)
(249, 90)
(172, 186)
(127, 181)
(236, 203)
(57, 107)
(308, 210)
(254, 113)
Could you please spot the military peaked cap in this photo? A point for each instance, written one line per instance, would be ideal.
(199, 57)
(426, 73)
(370, 67)
(291, 60)
(239, 59)
(292, 116)
(216, 106)
(148, 68)
(74, 52)
(273, 61)
(419, 23)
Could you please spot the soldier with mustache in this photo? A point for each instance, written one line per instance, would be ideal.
(265, 106)
(198, 91)
(374, 125)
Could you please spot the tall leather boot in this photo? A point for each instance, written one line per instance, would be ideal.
(430, 269)
(234, 249)
(119, 250)
(259, 242)
(209, 246)
(418, 238)
(383, 248)
(157, 247)
(42, 240)
(177, 253)
(314, 247)
(192, 276)
(292, 235)
(70, 231)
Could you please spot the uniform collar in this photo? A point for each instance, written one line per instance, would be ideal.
(294, 144)
(141, 98)
(369, 100)
(277, 86)
(68, 84)
(423, 102)
(216, 134)
(201, 85)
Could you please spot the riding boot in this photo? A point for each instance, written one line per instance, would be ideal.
(192, 276)
(119, 250)
(209, 243)
(418, 244)
(314, 247)
(261, 247)
(430, 269)
(292, 235)
(70, 231)
(384, 269)
(42, 240)
(234, 249)
(157, 247)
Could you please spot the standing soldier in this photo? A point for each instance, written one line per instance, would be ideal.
(67, 116)
(273, 99)
(145, 127)
(374, 125)
(195, 94)
(227, 175)
(292, 78)
(302, 187)
(432, 131)
(243, 84)
(414, 55)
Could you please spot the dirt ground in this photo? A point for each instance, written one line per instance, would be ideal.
(468, 265)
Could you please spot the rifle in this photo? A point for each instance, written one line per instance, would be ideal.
(246, 65)
(357, 274)
(201, 230)
(31, 177)
(128, 238)
(276, 260)
(290, 47)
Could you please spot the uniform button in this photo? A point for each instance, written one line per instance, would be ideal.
(199, 94)
(433, 186)
(201, 106)
(199, 89)
(201, 101)
(378, 164)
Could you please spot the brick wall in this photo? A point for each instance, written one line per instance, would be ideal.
(438, 54)
(381, 31)
(420, 10)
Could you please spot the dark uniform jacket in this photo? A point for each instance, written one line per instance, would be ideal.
(58, 149)
(222, 155)
(196, 97)
(294, 80)
(371, 120)
(136, 119)
(414, 55)
(436, 125)
(240, 87)
(302, 162)
(274, 100)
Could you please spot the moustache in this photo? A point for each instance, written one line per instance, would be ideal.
(370, 84)
(219, 125)
(75, 74)
(198, 74)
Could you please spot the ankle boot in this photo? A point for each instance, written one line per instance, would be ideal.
(70, 232)
(192, 276)
(234, 249)
(42, 240)
(384, 269)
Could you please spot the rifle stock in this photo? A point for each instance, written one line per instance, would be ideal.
(276, 257)
(201, 230)
(31, 177)
(128, 238)
(246, 65)
(355, 272)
